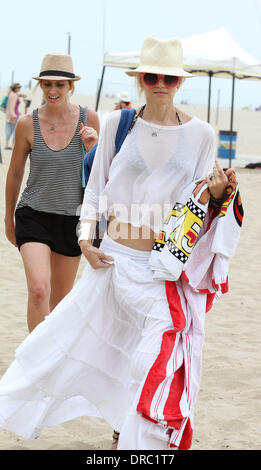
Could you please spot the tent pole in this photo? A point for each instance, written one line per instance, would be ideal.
(209, 93)
(218, 103)
(99, 90)
(231, 119)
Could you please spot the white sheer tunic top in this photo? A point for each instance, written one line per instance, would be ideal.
(144, 180)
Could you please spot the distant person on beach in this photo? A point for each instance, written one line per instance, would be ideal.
(46, 216)
(12, 113)
(27, 104)
(125, 101)
(125, 345)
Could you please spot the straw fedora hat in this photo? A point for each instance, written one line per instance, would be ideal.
(161, 56)
(57, 67)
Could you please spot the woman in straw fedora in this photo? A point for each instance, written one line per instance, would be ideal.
(46, 216)
(109, 348)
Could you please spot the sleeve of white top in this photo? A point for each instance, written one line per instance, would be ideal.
(208, 150)
(100, 169)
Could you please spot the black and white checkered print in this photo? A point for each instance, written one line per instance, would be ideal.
(158, 246)
(176, 252)
(178, 207)
(196, 210)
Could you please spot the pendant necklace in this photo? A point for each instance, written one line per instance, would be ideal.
(54, 126)
(155, 133)
(140, 114)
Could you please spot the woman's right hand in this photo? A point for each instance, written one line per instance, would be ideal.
(10, 232)
(96, 257)
(89, 136)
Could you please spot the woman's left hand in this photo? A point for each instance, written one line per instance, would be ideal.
(89, 136)
(218, 181)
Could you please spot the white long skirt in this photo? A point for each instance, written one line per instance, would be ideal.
(91, 355)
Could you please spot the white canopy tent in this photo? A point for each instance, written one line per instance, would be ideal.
(214, 53)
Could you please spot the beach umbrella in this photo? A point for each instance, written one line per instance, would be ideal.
(212, 54)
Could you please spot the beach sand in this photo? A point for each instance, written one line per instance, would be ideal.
(227, 414)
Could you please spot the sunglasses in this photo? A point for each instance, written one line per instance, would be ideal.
(152, 79)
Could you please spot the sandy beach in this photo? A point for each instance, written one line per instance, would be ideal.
(227, 414)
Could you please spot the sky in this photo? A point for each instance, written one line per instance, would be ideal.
(30, 29)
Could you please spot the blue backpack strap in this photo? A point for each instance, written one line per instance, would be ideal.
(88, 161)
(127, 116)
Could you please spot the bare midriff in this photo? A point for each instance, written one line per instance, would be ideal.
(138, 238)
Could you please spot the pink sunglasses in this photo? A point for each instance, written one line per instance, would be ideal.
(152, 79)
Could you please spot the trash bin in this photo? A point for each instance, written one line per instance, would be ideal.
(224, 144)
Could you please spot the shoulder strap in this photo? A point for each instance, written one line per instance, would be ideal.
(127, 116)
(36, 124)
(85, 115)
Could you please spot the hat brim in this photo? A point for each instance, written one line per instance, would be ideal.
(164, 71)
(126, 99)
(57, 78)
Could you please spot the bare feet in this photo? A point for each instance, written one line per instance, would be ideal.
(115, 440)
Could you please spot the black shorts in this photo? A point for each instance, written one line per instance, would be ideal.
(55, 230)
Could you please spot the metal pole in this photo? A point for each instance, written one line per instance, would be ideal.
(12, 78)
(103, 28)
(103, 52)
(209, 93)
(99, 90)
(218, 103)
(69, 44)
(231, 119)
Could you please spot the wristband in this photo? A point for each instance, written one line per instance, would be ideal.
(215, 203)
(85, 231)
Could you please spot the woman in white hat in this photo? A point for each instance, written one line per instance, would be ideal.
(125, 101)
(108, 349)
(46, 216)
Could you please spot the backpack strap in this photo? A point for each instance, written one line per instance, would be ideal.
(87, 163)
(127, 116)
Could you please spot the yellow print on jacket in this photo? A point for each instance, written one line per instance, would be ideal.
(186, 229)
(161, 238)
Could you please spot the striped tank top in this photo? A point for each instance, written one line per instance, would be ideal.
(54, 184)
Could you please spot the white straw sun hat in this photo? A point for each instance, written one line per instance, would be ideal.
(161, 56)
(57, 67)
(124, 96)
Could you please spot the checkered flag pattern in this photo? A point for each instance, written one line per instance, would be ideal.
(196, 210)
(158, 246)
(176, 252)
(178, 207)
